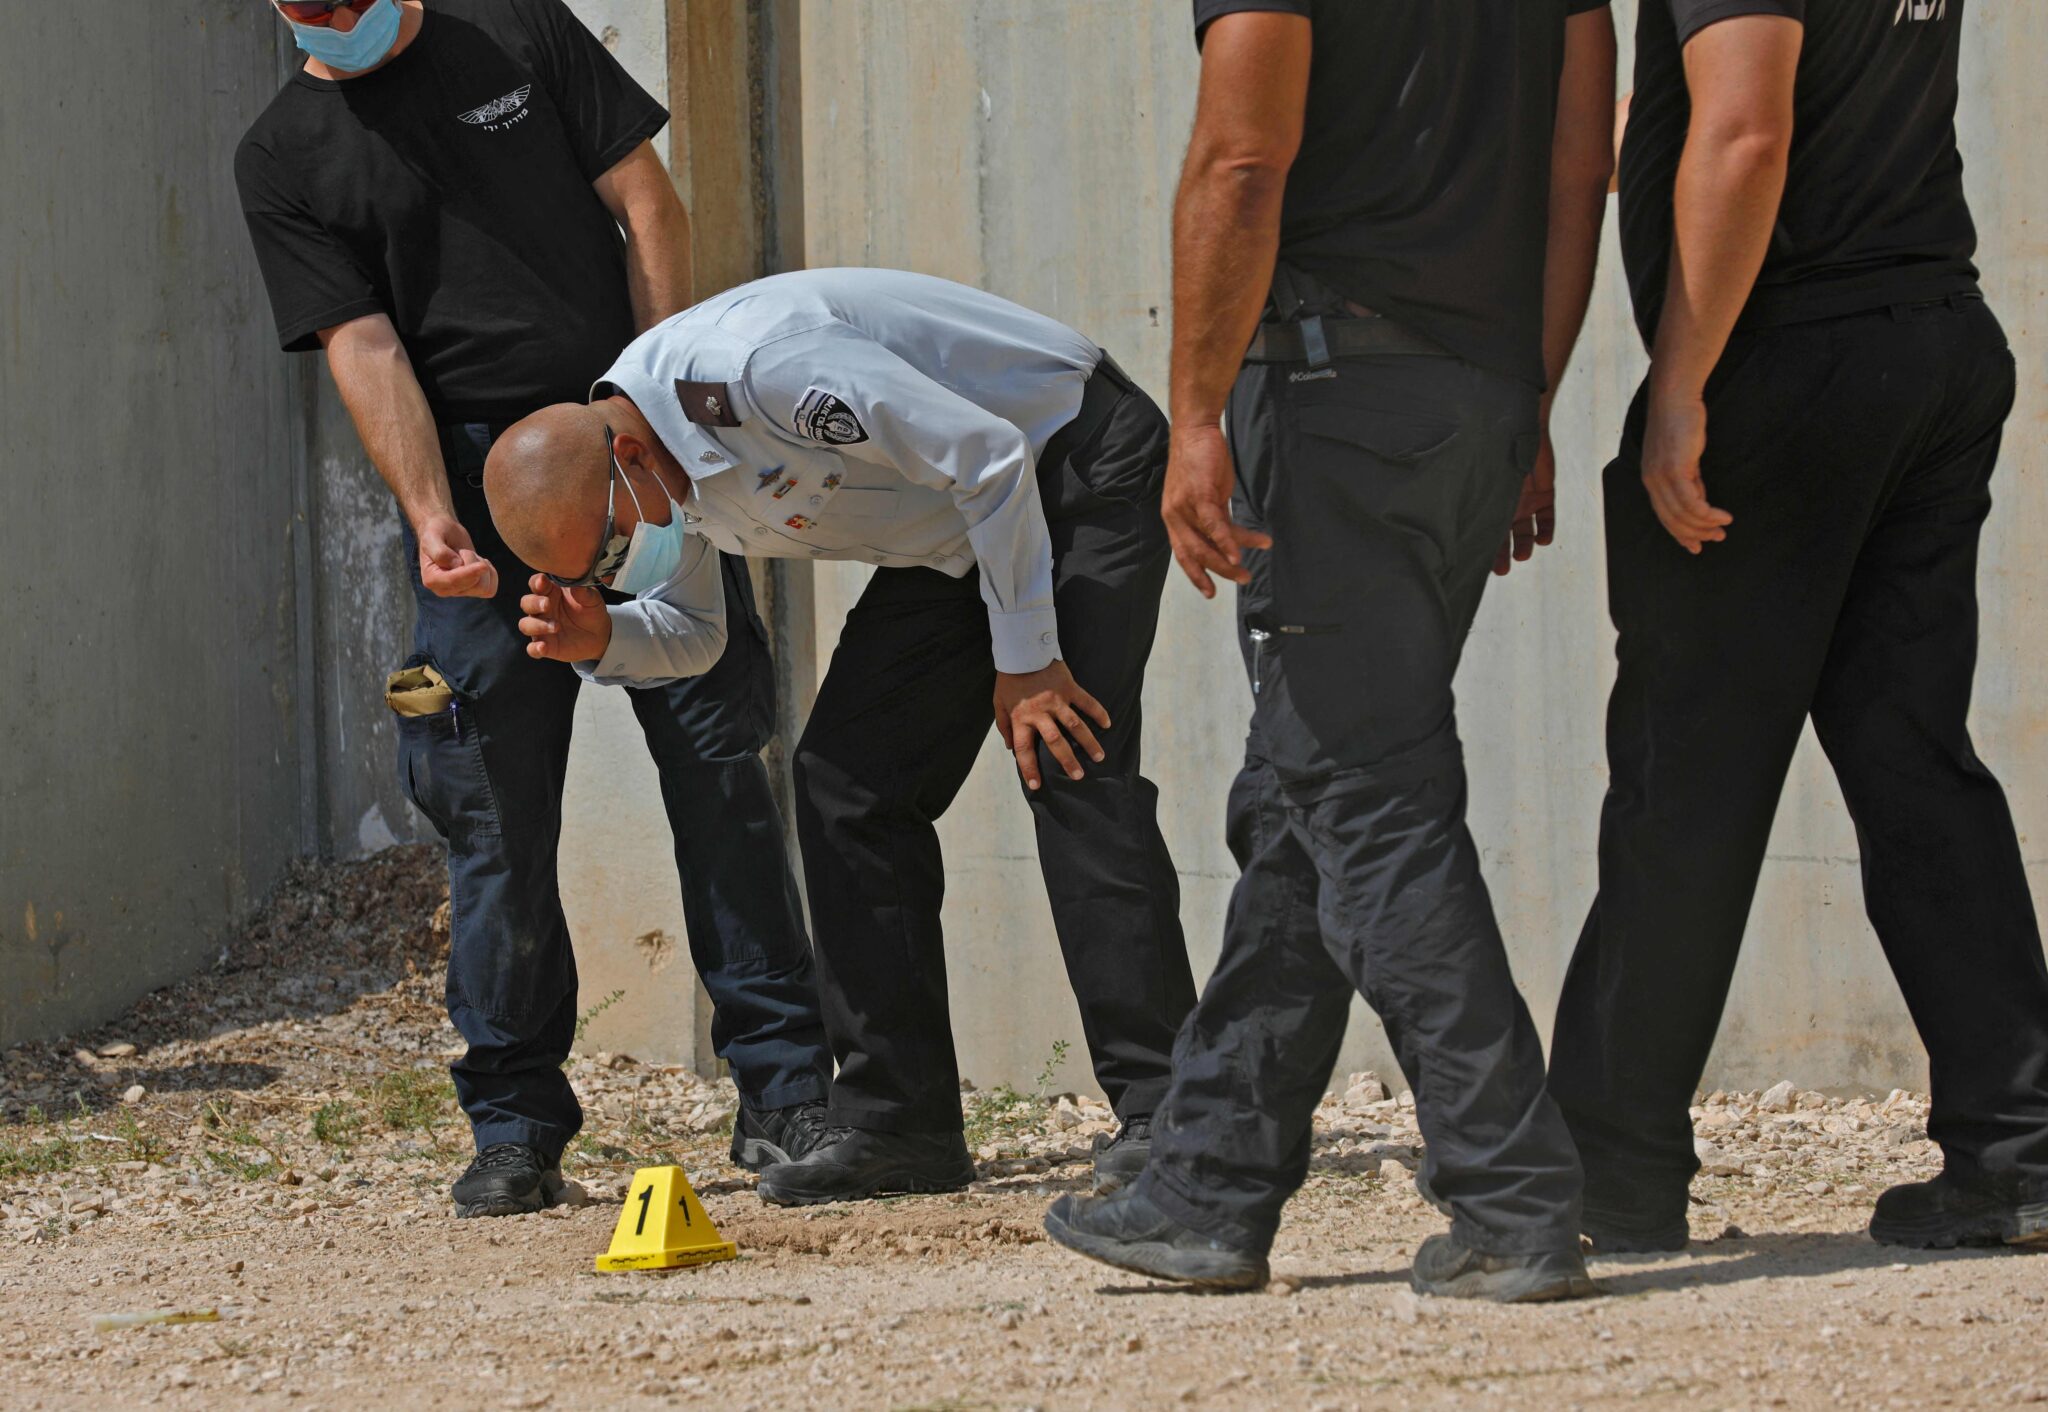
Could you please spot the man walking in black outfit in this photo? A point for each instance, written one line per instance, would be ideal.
(437, 201)
(1430, 178)
(1816, 436)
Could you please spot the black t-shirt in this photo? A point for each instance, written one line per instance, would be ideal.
(1423, 182)
(451, 190)
(1873, 211)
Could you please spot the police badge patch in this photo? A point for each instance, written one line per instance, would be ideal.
(823, 417)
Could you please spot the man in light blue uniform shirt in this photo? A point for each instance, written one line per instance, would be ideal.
(1004, 475)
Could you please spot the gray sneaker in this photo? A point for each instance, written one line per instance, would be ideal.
(762, 1138)
(1121, 1160)
(1129, 1232)
(1447, 1268)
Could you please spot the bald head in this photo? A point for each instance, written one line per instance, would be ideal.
(546, 481)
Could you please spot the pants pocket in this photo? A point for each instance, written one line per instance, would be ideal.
(441, 769)
(1122, 464)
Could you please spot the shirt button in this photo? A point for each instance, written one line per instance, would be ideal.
(1045, 639)
(760, 529)
(817, 500)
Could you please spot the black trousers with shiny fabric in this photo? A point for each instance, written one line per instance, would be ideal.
(1387, 483)
(904, 709)
(1855, 455)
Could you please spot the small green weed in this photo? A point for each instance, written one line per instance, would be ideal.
(336, 1124)
(583, 1020)
(138, 1144)
(591, 1150)
(34, 1157)
(248, 1169)
(1000, 1115)
(412, 1100)
(1052, 1067)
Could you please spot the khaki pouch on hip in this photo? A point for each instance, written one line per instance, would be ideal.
(418, 691)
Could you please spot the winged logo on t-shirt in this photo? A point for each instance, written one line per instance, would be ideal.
(498, 107)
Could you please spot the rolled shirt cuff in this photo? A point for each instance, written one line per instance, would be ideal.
(1024, 641)
(631, 645)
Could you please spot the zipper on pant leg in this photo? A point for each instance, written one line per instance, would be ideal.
(1260, 637)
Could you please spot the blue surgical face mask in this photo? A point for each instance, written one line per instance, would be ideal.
(656, 551)
(352, 51)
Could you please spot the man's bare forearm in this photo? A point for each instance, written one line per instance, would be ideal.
(1582, 160)
(1731, 177)
(1724, 206)
(658, 265)
(1226, 239)
(641, 197)
(389, 408)
(1226, 216)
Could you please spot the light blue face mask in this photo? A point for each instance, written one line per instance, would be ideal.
(656, 551)
(352, 51)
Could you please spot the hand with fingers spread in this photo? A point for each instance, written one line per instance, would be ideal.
(1047, 705)
(1199, 477)
(1535, 521)
(564, 624)
(450, 567)
(1674, 439)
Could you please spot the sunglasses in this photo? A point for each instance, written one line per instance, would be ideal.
(318, 12)
(611, 546)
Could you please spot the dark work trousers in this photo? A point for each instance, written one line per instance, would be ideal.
(1387, 483)
(899, 719)
(1855, 455)
(489, 776)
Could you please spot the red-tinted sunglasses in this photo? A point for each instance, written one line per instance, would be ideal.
(318, 12)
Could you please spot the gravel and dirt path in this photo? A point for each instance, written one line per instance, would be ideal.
(273, 1141)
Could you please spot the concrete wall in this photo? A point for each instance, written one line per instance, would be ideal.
(149, 516)
(1032, 150)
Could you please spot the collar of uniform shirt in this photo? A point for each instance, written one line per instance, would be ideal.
(694, 448)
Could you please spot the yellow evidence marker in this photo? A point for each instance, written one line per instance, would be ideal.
(663, 1226)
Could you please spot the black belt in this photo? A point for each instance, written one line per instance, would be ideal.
(1316, 340)
(1106, 386)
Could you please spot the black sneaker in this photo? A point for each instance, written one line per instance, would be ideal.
(1121, 1159)
(761, 1139)
(1948, 1211)
(1447, 1268)
(506, 1179)
(849, 1164)
(1129, 1232)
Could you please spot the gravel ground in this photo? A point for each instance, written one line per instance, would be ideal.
(272, 1142)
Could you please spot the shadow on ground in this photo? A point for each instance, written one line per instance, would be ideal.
(328, 935)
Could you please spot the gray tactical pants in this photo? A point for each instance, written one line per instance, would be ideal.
(1387, 483)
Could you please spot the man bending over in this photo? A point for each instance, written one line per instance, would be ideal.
(1004, 476)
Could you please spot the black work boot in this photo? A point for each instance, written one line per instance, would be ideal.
(1129, 1232)
(1121, 1159)
(847, 1164)
(1449, 1269)
(505, 1179)
(1950, 1210)
(761, 1139)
